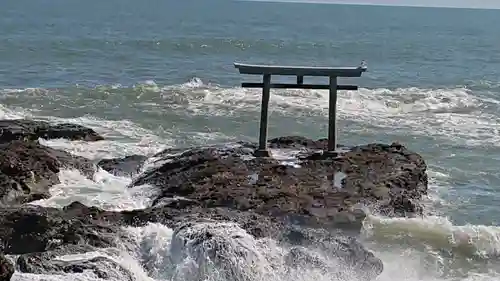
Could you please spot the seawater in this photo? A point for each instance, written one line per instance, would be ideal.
(157, 74)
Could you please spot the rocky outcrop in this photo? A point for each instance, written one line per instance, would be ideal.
(23, 129)
(6, 268)
(127, 166)
(39, 235)
(177, 212)
(47, 229)
(305, 187)
(28, 170)
(221, 202)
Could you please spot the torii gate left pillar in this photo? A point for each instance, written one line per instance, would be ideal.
(299, 72)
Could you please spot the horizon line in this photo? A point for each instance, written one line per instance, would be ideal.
(372, 4)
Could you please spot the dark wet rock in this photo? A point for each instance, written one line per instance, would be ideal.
(25, 129)
(237, 148)
(388, 178)
(258, 226)
(178, 212)
(70, 161)
(47, 263)
(28, 229)
(126, 166)
(297, 142)
(28, 170)
(299, 257)
(6, 268)
(39, 262)
(41, 235)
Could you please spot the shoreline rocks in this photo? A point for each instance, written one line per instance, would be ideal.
(127, 166)
(25, 129)
(29, 229)
(29, 169)
(303, 199)
(39, 235)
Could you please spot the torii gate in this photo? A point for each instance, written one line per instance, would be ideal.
(299, 71)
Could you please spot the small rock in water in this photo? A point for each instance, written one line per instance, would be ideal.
(6, 268)
(126, 166)
(24, 129)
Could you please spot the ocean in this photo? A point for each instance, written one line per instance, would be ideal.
(154, 74)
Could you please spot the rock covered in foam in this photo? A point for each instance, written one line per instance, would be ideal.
(234, 254)
(24, 129)
(333, 253)
(6, 268)
(301, 189)
(28, 170)
(216, 247)
(50, 262)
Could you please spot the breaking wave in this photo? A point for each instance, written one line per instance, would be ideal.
(459, 115)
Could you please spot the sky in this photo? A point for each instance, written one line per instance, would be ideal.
(485, 4)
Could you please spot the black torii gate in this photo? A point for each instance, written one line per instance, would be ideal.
(300, 72)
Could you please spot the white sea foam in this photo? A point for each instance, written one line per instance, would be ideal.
(432, 247)
(452, 114)
(105, 191)
(449, 113)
